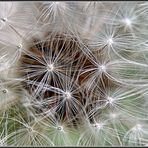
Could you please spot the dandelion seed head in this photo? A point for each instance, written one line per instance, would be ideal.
(77, 68)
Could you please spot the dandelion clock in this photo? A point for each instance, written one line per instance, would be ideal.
(73, 73)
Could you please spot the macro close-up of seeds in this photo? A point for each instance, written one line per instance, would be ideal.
(74, 73)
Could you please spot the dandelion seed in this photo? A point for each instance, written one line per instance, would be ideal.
(110, 100)
(3, 22)
(60, 128)
(110, 41)
(98, 125)
(102, 68)
(128, 22)
(50, 67)
(19, 46)
(5, 91)
(137, 127)
(67, 95)
(4, 19)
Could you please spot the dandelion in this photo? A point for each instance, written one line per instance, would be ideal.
(73, 73)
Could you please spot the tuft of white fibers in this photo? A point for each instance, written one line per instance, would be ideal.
(137, 134)
(17, 16)
(60, 132)
(97, 134)
(73, 73)
(26, 131)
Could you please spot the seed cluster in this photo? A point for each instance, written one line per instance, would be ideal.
(73, 73)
